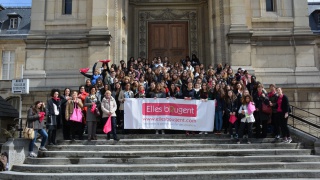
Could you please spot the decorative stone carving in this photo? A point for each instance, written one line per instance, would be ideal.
(146, 16)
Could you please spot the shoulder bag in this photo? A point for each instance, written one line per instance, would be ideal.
(266, 109)
(28, 132)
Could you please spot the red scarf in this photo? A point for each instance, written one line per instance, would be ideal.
(259, 93)
(141, 92)
(56, 99)
(271, 94)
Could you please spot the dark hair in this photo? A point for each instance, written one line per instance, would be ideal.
(92, 88)
(244, 99)
(53, 91)
(64, 91)
(81, 87)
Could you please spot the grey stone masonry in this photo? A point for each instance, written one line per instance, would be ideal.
(170, 156)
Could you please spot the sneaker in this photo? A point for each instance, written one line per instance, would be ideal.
(238, 142)
(289, 140)
(32, 154)
(43, 148)
(157, 132)
(200, 132)
(248, 142)
(205, 132)
(162, 132)
(285, 140)
(236, 136)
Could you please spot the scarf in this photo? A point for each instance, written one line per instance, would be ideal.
(56, 99)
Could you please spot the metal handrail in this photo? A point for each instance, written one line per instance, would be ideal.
(304, 121)
(20, 127)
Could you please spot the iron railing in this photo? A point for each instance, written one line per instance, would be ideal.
(304, 121)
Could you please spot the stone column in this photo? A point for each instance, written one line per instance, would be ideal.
(99, 35)
(211, 17)
(238, 16)
(301, 19)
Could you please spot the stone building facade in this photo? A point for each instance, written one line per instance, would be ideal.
(270, 38)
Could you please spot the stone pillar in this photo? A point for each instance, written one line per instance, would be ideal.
(238, 16)
(18, 150)
(37, 15)
(211, 17)
(301, 18)
(99, 35)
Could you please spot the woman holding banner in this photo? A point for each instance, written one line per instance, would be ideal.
(126, 93)
(109, 107)
(75, 123)
(158, 93)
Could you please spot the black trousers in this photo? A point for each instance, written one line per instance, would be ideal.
(76, 129)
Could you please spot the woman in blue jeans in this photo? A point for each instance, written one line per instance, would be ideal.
(35, 120)
(218, 95)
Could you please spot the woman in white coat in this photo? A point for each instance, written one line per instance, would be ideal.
(247, 119)
(109, 107)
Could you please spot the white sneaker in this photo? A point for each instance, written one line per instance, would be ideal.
(32, 154)
(157, 131)
(43, 148)
(162, 132)
(289, 140)
(200, 132)
(205, 132)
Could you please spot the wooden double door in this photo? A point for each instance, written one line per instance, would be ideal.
(168, 39)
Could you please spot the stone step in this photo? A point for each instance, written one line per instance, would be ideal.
(176, 135)
(172, 160)
(118, 147)
(200, 175)
(189, 167)
(161, 141)
(176, 153)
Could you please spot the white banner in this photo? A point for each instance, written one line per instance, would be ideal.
(162, 113)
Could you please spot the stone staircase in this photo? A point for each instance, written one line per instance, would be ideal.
(170, 156)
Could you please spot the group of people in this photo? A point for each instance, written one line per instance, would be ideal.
(104, 93)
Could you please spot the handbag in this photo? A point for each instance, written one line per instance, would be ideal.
(232, 119)
(95, 110)
(28, 132)
(76, 114)
(266, 109)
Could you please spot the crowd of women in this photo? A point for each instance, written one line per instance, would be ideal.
(104, 93)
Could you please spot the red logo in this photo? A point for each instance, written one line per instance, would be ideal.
(186, 110)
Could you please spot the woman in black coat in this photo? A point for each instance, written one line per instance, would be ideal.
(283, 114)
(261, 117)
(54, 115)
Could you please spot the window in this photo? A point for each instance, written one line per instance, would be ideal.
(13, 23)
(66, 6)
(270, 5)
(8, 65)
